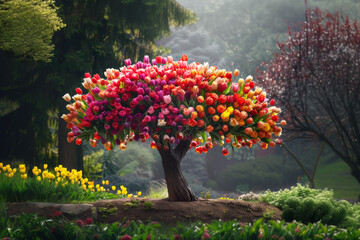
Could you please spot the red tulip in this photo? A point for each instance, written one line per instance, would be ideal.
(225, 151)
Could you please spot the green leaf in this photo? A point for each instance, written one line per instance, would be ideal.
(228, 87)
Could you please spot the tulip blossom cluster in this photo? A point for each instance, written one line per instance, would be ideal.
(171, 101)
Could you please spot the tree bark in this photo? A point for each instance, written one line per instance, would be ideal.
(177, 186)
(70, 154)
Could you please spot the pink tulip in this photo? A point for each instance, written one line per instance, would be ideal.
(165, 111)
(167, 99)
(235, 87)
(151, 110)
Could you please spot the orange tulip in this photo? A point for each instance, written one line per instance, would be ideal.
(221, 108)
(192, 122)
(199, 108)
(236, 72)
(225, 128)
(194, 115)
(215, 118)
(234, 122)
(264, 145)
(248, 131)
(200, 99)
(209, 128)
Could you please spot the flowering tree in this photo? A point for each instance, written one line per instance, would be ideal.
(178, 105)
(316, 77)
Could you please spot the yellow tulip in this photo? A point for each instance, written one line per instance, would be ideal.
(45, 166)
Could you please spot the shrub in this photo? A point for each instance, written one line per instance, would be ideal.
(312, 205)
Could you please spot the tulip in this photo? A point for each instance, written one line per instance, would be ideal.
(236, 72)
(249, 79)
(209, 101)
(199, 108)
(225, 128)
(221, 108)
(225, 116)
(235, 87)
(249, 120)
(200, 99)
(234, 122)
(225, 151)
(161, 122)
(194, 115)
(215, 118)
(209, 128)
(67, 97)
(275, 118)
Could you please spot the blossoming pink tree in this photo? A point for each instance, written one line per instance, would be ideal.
(179, 105)
(315, 75)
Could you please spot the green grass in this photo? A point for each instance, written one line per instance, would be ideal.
(337, 176)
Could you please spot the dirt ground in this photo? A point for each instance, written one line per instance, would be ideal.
(152, 210)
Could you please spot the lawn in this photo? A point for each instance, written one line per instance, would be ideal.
(337, 176)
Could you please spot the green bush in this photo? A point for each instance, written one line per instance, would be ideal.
(312, 205)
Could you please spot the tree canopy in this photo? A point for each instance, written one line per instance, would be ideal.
(27, 28)
(176, 103)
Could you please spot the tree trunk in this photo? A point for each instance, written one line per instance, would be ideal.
(177, 187)
(70, 154)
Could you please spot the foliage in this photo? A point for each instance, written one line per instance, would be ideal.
(59, 228)
(27, 28)
(92, 167)
(58, 185)
(315, 76)
(157, 190)
(312, 205)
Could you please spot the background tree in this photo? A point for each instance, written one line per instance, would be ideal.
(316, 77)
(98, 33)
(27, 28)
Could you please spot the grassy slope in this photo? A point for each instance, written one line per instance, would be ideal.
(337, 176)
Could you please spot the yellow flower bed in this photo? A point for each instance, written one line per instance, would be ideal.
(62, 176)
